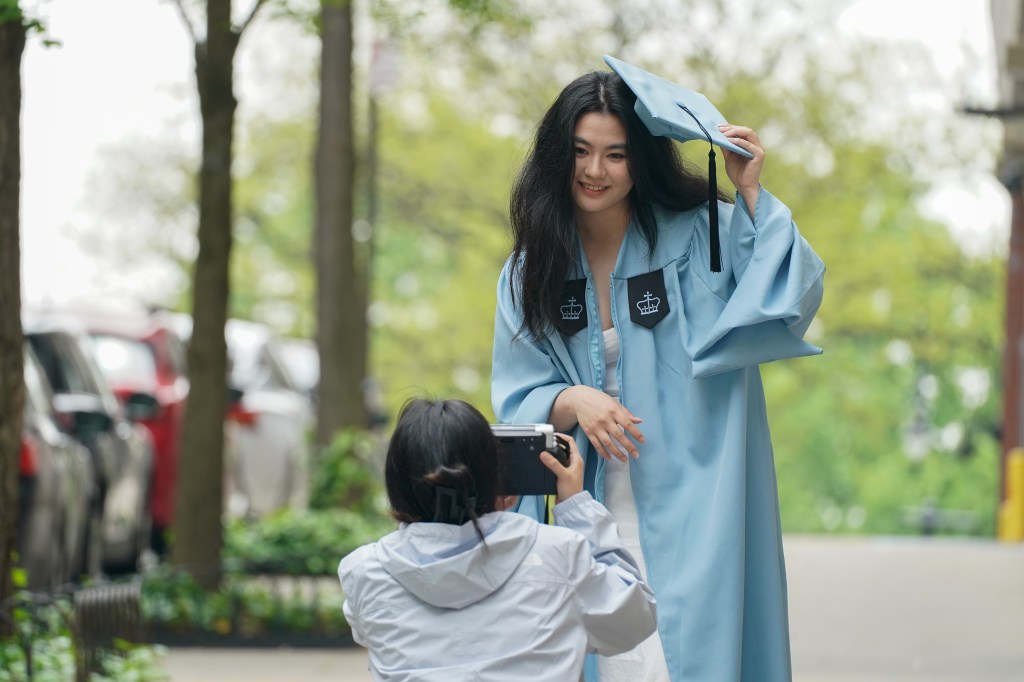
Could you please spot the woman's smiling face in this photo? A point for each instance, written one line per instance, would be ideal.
(601, 182)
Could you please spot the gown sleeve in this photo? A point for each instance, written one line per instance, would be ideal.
(618, 607)
(526, 374)
(766, 296)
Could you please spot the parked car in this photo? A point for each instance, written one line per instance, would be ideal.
(143, 360)
(302, 362)
(56, 493)
(268, 424)
(121, 450)
(269, 427)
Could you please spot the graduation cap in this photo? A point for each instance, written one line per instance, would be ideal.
(670, 110)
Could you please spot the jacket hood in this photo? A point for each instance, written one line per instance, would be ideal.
(447, 565)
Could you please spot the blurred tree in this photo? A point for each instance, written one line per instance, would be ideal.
(342, 284)
(341, 290)
(198, 534)
(13, 28)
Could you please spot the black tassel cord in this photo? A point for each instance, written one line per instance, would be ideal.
(716, 247)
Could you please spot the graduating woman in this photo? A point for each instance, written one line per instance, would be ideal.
(632, 313)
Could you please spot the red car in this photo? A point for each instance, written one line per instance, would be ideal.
(142, 357)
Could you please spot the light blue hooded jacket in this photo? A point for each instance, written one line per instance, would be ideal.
(704, 483)
(434, 604)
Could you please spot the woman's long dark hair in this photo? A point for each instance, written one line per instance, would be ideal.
(541, 208)
(442, 463)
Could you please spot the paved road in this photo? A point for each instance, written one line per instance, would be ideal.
(861, 610)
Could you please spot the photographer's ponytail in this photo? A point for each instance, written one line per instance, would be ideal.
(454, 500)
(442, 464)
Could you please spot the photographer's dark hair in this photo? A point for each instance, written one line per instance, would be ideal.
(541, 206)
(442, 463)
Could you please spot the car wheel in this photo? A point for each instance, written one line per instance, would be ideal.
(143, 539)
(91, 561)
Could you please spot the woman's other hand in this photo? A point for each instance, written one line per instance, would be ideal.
(569, 476)
(610, 427)
(744, 173)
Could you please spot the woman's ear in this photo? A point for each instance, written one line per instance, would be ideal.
(503, 502)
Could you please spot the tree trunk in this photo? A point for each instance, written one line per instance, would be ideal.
(341, 299)
(198, 530)
(12, 377)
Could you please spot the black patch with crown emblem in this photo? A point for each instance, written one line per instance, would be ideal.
(573, 311)
(648, 302)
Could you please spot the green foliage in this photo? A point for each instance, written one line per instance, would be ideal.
(345, 475)
(131, 663)
(245, 606)
(300, 543)
(45, 628)
(273, 234)
(53, 659)
(441, 240)
(11, 12)
(347, 509)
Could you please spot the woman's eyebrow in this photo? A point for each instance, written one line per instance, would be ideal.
(579, 140)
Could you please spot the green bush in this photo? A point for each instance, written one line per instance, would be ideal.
(300, 542)
(280, 571)
(344, 475)
(44, 627)
(245, 606)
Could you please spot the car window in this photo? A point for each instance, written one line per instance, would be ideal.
(123, 360)
(302, 363)
(37, 391)
(265, 374)
(83, 356)
(56, 354)
(176, 354)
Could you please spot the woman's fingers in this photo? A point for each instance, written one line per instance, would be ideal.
(740, 132)
(613, 447)
(611, 428)
(613, 442)
(632, 430)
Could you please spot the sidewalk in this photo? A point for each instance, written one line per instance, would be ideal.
(905, 609)
(861, 610)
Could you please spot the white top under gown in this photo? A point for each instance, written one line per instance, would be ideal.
(645, 663)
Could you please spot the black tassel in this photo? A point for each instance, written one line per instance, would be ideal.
(716, 246)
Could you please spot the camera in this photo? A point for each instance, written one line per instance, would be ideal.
(520, 446)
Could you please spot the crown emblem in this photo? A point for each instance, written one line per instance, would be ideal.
(649, 304)
(571, 310)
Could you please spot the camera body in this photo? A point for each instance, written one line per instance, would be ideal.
(520, 446)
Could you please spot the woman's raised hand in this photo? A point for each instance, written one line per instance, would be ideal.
(744, 173)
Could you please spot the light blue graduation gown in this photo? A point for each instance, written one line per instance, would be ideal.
(704, 483)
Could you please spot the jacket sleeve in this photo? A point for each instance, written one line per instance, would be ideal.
(617, 605)
(346, 574)
(770, 299)
(525, 376)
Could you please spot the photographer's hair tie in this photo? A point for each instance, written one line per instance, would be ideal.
(447, 508)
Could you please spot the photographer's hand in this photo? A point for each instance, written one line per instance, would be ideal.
(570, 476)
